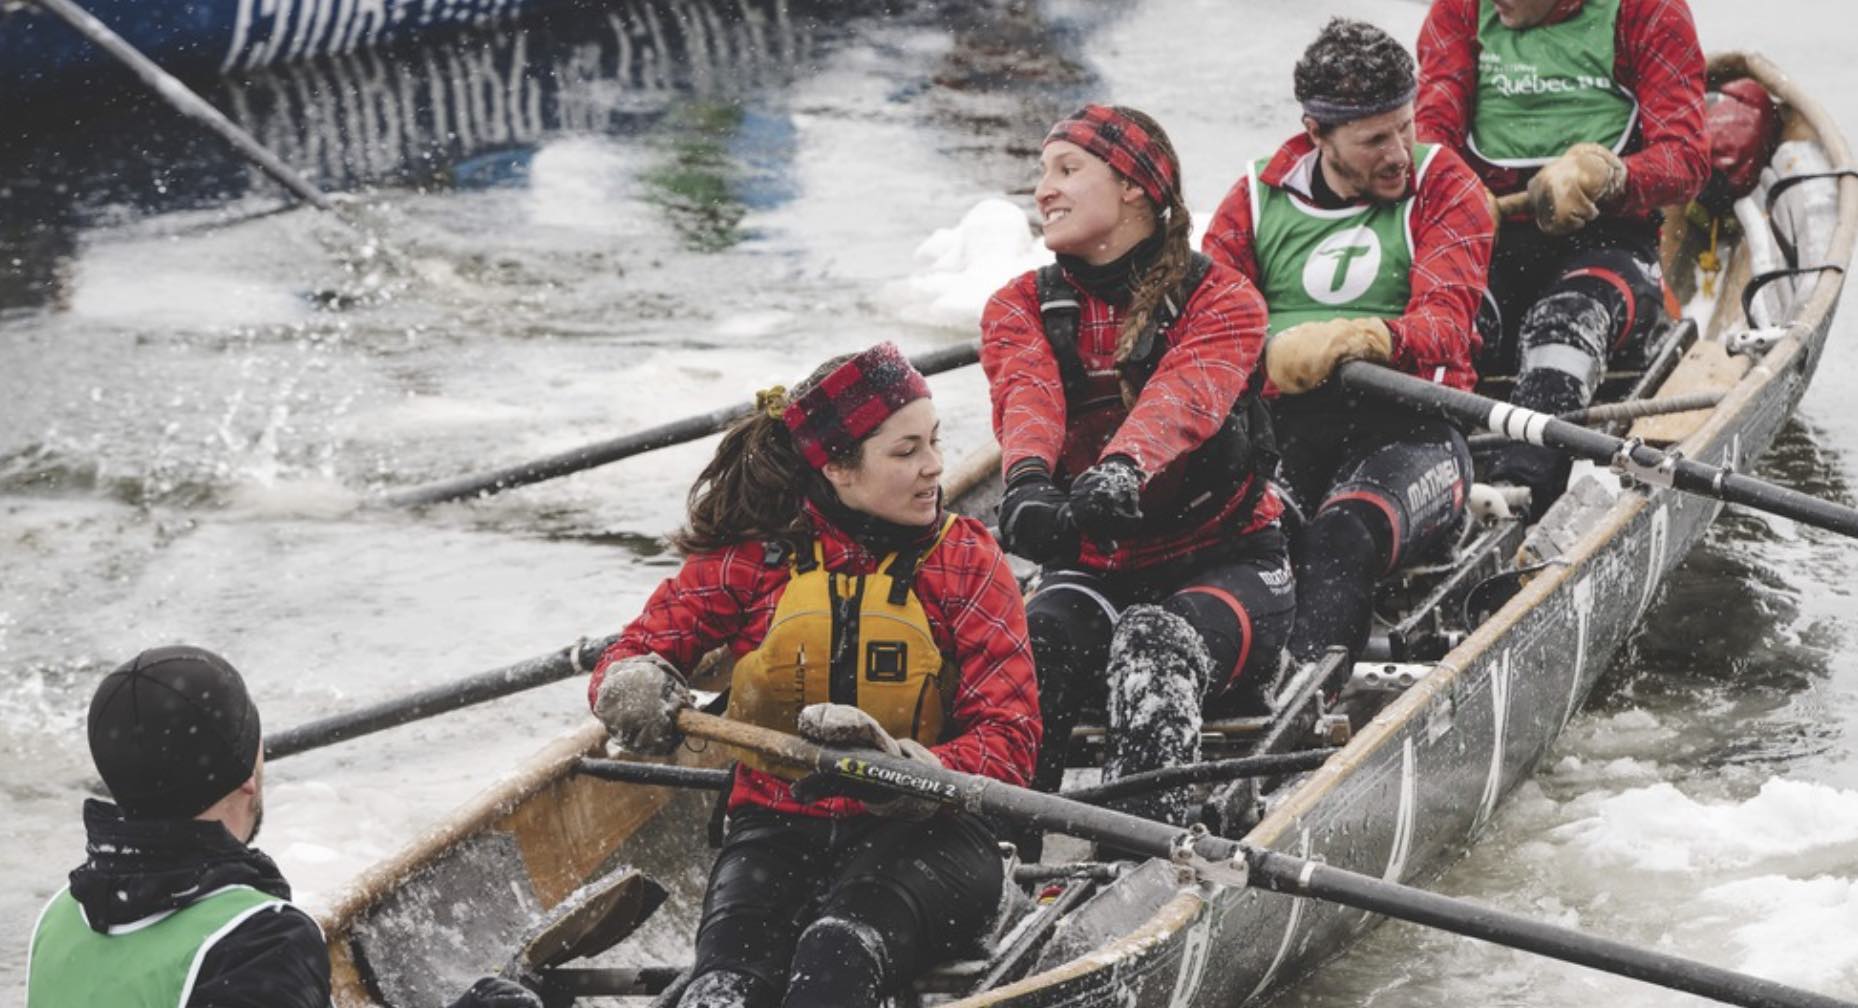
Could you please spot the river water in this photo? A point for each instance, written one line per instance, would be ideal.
(650, 211)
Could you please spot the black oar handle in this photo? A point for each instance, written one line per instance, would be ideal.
(1631, 457)
(602, 452)
(1297, 876)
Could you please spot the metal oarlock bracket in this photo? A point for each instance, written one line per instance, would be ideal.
(1661, 473)
(1755, 342)
(1234, 872)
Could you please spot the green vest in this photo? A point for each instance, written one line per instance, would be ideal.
(149, 964)
(1319, 264)
(1541, 90)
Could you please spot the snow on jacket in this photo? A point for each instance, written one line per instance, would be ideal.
(1212, 349)
(727, 597)
(139, 868)
(1657, 58)
(1436, 337)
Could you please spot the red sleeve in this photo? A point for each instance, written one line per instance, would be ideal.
(1447, 73)
(1452, 231)
(1212, 350)
(1022, 376)
(982, 626)
(692, 612)
(1661, 62)
(1228, 240)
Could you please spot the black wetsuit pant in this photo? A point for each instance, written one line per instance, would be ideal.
(1238, 595)
(837, 913)
(1371, 487)
(1557, 311)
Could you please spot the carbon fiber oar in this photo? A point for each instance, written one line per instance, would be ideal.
(1227, 862)
(602, 452)
(575, 659)
(1627, 456)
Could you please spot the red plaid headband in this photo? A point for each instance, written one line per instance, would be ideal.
(851, 402)
(1123, 143)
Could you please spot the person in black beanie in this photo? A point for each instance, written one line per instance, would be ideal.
(172, 906)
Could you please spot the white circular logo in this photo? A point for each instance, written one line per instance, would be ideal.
(1343, 267)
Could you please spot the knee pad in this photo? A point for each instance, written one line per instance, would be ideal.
(1352, 529)
(838, 961)
(727, 988)
(1150, 638)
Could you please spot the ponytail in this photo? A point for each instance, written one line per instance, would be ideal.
(1164, 276)
(756, 485)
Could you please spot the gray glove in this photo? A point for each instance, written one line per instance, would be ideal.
(837, 724)
(638, 702)
(496, 992)
(846, 726)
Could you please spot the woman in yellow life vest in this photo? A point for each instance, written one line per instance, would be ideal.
(859, 613)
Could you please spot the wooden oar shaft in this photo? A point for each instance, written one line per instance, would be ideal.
(576, 659)
(603, 452)
(1227, 862)
(1297, 876)
(1645, 462)
(183, 98)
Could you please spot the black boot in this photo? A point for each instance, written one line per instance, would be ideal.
(1158, 673)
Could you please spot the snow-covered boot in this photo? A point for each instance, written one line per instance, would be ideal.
(1157, 677)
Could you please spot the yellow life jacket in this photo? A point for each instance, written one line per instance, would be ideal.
(860, 639)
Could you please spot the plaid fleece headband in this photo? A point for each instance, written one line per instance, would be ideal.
(851, 402)
(1124, 144)
(1330, 112)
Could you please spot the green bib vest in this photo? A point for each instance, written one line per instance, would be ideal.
(149, 964)
(1543, 89)
(1318, 264)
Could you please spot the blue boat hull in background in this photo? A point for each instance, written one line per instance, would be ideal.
(42, 60)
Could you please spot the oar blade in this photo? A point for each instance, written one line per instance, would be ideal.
(590, 921)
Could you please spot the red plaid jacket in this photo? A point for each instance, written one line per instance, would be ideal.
(1657, 58)
(1212, 349)
(1436, 338)
(727, 598)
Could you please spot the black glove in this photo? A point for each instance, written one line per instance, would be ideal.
(1106, 501)
(1035, 517)
(496, 992)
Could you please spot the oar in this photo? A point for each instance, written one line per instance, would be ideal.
(575, 659)
(183, 98)
(1629, 457)
(602, 452)
(1228, 862)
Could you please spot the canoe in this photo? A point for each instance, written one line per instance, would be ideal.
(1466, 696)
(43, 61)
(40, 55)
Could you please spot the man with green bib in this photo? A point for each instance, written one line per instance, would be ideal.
(173, 908)
(1594, 108)
(1369, 246)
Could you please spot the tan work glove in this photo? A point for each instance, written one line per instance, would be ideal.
(1566, 194)
(1302, 356)
(639, 700)
(844, 725)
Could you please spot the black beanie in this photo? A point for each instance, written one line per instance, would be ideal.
(1353, 70)
(172, 732)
